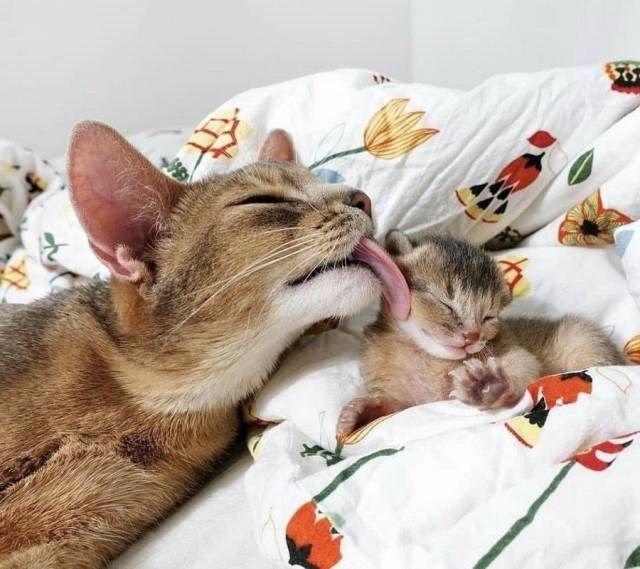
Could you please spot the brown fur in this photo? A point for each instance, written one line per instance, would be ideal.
(117, 398)
(443, 272)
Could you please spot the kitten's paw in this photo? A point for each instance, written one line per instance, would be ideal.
(359, 412)
(484, 384)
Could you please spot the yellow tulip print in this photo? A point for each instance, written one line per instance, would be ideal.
(632, 349)
(390, 133)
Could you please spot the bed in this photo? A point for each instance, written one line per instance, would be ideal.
(543, 168)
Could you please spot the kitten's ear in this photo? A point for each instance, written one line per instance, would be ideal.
(121, 199)
(397, 243)
(278, 147)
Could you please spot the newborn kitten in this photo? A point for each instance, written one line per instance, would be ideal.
(455, 344)
(117, 398)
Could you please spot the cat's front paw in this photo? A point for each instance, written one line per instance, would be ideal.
(483, 384)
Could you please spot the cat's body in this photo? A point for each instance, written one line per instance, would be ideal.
(117, 398)
(454, 344)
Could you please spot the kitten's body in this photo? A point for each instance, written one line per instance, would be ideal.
(117, 398)
(453, 344)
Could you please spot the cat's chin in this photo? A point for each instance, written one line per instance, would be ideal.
(429, 343)
(340, 292)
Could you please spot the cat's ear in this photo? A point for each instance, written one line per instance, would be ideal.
(278, 147)
(397, 243)
(121, 199)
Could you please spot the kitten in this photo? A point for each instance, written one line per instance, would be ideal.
(455, 344)
(117, 398)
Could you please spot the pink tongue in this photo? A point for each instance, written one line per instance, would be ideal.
(394, 286)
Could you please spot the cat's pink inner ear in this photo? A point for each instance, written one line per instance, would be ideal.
(278, 147)
(121, 199)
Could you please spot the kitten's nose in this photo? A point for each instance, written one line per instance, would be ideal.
(360, 200)
(471, 337)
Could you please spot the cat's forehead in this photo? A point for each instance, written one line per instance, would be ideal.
(454, 268)
(270, 177)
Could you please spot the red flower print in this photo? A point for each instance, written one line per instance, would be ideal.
(488, 201)
(312, 541)
(602, 456)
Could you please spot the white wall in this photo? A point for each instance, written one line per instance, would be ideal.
(149, 63)
(458, 43)
(141, 64)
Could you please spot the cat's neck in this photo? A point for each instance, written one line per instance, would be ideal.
(176, 372)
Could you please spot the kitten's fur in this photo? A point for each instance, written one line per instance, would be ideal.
(117, 398)
(454, 344)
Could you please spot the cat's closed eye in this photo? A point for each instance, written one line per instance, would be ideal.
(264, 199)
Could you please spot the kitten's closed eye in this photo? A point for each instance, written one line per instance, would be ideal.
(265, 199)
(489, 318)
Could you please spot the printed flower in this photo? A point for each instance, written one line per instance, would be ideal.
(312, 541)
(390, 133)
(488, 201)
(546, 393)
(15, 274)
(590, 224)
(602, 456)
(632, 349)
(218, 135)
(624, 75)
(513, 272)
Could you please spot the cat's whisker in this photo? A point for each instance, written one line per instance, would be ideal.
(233, 280)
(278, 250)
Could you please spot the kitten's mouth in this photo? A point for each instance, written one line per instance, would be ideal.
(367, 253)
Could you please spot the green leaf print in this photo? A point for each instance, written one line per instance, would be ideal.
(634, 559)
(177, 170)
(330, 457)
(581, 169)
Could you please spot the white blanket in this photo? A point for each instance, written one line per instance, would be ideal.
(552, 158)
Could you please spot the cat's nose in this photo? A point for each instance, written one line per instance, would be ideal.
(360, 200)
(471, 337)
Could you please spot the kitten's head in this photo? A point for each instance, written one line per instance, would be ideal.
(457, 293)
(219, 276)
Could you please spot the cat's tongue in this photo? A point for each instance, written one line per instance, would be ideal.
(394, 286)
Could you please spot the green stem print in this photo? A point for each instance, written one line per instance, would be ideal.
(51, 246)
(524, 521)
(336, 155)
(351, 470)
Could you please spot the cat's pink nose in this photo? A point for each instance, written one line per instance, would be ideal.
(471, 337)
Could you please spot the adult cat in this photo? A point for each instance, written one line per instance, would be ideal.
(116, 398)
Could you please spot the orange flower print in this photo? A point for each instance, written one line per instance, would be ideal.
(390, 133)
(632, 349)
(546, 393)
(590, 224)
(602, 455)
(312, 541)
(218, 136)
